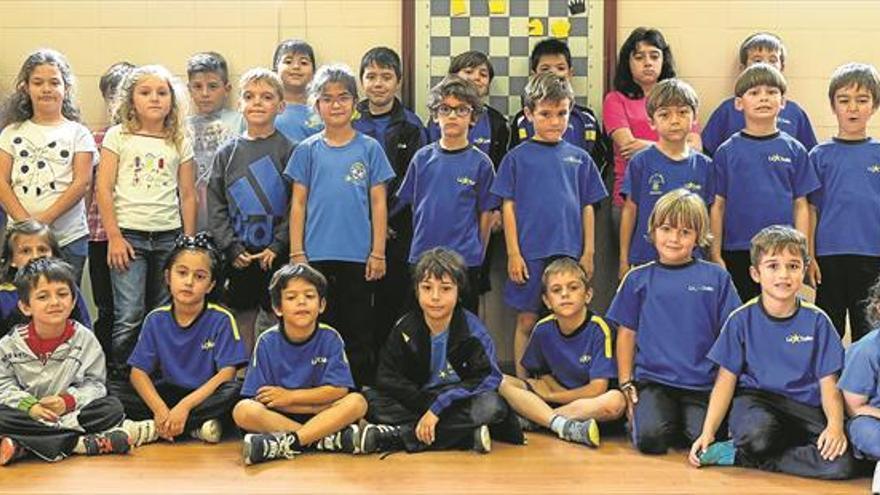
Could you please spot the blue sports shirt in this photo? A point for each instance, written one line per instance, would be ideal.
(726, 120)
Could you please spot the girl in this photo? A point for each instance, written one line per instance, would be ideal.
(194, 346)
(46, 154)
(25, 241)
(146, 193)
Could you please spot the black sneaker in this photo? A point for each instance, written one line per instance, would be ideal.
(380, 438)
(482, 439)
(109, 442)
(345, 440)
(262, 447)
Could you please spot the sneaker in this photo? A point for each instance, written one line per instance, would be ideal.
(380, 438)
(875, 484)
(527, 424)
(345, 440)
(262, 447)
(585, 432)
(141, 432)
(482, 439)
(114, 441)
(719, 454)
(210, 431)
(10, 450)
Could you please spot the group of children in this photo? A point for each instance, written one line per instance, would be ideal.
(366, 339)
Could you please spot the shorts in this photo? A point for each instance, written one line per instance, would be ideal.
(248, 288)
(526, 298)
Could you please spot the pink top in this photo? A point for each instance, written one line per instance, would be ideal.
(618, 112)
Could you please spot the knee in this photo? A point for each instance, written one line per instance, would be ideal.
(842, 468)
(754, 439)
(615, 406)
(356, 403)
(246, 411)
(488, 407)
(651, 439)
(864, 434)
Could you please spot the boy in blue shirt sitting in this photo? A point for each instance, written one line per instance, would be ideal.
(778, 359)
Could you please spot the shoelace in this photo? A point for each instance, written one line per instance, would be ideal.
(332, 442)
(280, 447)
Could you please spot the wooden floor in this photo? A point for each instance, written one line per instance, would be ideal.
(545, 466)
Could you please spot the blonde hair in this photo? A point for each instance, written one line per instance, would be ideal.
(259, 74)
(682, 208)
(560, 266)
(123, 107)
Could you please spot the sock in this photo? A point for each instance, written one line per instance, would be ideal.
(557, 422)
(80, 447)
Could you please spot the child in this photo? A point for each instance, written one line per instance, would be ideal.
(146, 193)
(846, 208)
(249, 200)
(549, 188)
(727, 119)
(669, 314)
(53, 401)
(762, 176)
(448, 184)
(338, 219)
(46, 154)
(294, 62)
(26, 241)
(778, 360)
(298, 383)
(669, 164)
(212, 124)
(437, 378)
(569, 360)
(183, 366)
(400, 132)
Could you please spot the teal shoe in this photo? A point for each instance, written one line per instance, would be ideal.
(719, 454)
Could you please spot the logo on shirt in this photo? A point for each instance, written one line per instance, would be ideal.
(314, 121)
(357, 173)
(777, 158)
(693, 186)
(586, 358)
(797, 338)
(319, 360)
(36, 165)
(482, 140)
(573, 160)
(465, 181)
(701, 288)
(149, 172)
(208, 345)
(874, 169)
(402, 146)
(656, 182)
(589, 135)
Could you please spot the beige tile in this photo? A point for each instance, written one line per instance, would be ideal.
(166, 13)
(75, 14)
(293, 13)
(123, 13)
(26, 14)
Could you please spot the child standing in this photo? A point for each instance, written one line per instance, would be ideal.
(762, 176)
(146, 194)
(338, 219)
(778, 360)
(298, 383)
(46, 154)
(669, 164)
(53, 401)
(536, 229)
(847, 258)
(294, 62)
(448, 184)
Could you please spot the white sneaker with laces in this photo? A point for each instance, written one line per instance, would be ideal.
(210, 432)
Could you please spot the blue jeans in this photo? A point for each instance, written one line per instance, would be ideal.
(75, 253)
(138, 289)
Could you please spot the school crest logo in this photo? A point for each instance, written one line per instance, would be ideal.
(655, 184)
(466, 181)
(357, 173)
(208, 345)
(584, 359)
(777, 158)
(796, 338)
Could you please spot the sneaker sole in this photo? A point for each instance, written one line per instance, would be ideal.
(483, 443)
(246, 450)
(214, 431)
(593, 432)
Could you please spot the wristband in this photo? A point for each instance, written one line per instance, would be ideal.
(377, 257)
(626, 386)
(298, 253)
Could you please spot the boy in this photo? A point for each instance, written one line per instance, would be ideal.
(762, 176)
(248, 201)
(548, 187)
(297, 388)
(569, 359)
(53, 401)
(294, 62)
(660, 168)
(778, 361)
(437, 378)
(727, 119)
(212, 124)
(383, 117)
(847, 166)
(448, 184)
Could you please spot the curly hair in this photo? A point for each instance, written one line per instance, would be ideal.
(18, 106)
(124, 111)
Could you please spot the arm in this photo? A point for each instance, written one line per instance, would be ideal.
(857, 405)
(802, 216)
(281, 398)
(626, 356)
(119, 251)
(485, 228)
(144, 387)
(186, 187)
(626, 143)
(814, 274)
(298, 201)
(199, 395)
(8, 198)
(719, 401)
(832, 441)
(516, 265)
(375, 269)
(218, 211)
(627, 224)
(561, 395)
(82, 178)
(716, 222)
(589, 221)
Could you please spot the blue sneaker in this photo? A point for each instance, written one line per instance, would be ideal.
(719, 454)
(584, 432)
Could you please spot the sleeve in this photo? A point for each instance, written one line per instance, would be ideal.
(805, 178)
(861, 369)
(380, 167)
(729, 349)
(614, 112)
(259, 372)
(145, 356)
(504, 184)
(229, 350)
(391, 378)
(721, 172)
(218, 208)
(486, 175)
(186, 150)
(299, 167)
(714, 131)
(602, 364)
(81, 314)
(626, 305)
(709, 193)
(406, 192)
(11, 393)
(281, 240)
(592, 188)
(6, 140)
(829, 350)
(91, 385)
(337, 372)
(112, 139)
(632, 179)
(805, 134)
(815, 157)
(728, 299)
(432, 130)
(84, 142)
(533, 357)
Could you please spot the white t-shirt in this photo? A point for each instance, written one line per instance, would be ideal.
(145, 196)
(42, 169)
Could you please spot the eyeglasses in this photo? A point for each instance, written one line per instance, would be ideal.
(446, 110)
(342, 100)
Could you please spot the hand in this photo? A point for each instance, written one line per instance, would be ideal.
(39, 412)
(160, 418)
(623, 269)
(54, 403)
(272, 396)
(540, 388)
(699, 446)
(586, 262)
(831, 443)
(241, 261)
(266, 258)
(631, 394)
(425, 427)
(516, 269)
(176, 420)
(495, 223)
(375, 267)
(814, 274)
(632, 147)
(120, 253)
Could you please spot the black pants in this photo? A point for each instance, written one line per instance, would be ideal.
(846, 280)
(102, 294)
(394, 291)
(217, 406)
(667, 417)
(53, 444)
(350, 312)
(775, 433)
(738, 263)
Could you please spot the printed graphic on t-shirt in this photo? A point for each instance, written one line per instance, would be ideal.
(357, 173)
(36, 173)
(150, 172)
(206, 141)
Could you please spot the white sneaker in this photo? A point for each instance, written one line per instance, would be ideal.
(210, 431)
(141, 432)
(875, 485)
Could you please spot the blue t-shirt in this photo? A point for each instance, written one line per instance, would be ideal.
(650, 175)
(448, 190)
(759, 178)
(11, 315)
(727, 120)
(848, 202)
(582, 131)
(278, 361)
(298, 122)
(187, 357)
(479, 134)
(861, 370)
(785, 356)
(442, 373)
(339, 179)
(677, 313)
(550, 184)
(574, 360)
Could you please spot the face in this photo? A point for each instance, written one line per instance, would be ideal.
(152, 99)
(478, 75)
(760, 103)
(49, 304)
(189, 278)
(335, 105)
(781, 275)
(555, 63)
(454, 117)
(300, 304)
(437, 297)
(29, 247)
(673, 123)
(260, 103)
(380, 84)
(296, 70)
(763, 55)
(853, 106)
(46, 89)
(645, 64)
(550, 119)
(566, 294)
(208, 91)
(674, 244)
